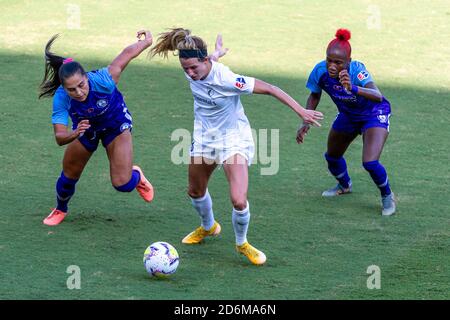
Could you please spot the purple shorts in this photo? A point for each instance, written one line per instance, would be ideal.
(343, 123)
(91, 138)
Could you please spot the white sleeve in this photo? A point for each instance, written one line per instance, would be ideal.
(235, 83)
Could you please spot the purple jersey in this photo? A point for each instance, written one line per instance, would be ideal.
(104, 107)
(355, 106)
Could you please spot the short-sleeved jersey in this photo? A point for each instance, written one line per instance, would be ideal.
(218, 109)
(102, 105)
(355, 106)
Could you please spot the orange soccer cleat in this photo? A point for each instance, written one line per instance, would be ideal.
(144, 187)
(55, 217)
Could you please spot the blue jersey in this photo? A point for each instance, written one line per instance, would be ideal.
(355, 106)
(104, 106)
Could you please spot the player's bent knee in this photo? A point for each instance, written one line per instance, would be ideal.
(196, 193)
(119, 181)
(72, 172)
(239, 203)
(371, 165)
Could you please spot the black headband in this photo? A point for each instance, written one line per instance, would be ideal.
(193, 53)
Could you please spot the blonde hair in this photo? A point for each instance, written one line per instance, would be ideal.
(177, 39)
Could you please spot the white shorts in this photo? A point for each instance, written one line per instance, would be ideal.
(222, 149)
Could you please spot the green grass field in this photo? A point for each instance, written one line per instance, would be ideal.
(317, 248)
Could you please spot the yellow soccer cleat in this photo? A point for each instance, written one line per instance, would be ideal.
(200, 233)
(254, 255)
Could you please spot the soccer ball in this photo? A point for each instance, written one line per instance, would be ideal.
(161, 259)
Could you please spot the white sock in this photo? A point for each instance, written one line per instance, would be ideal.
(240, 221)
(203, 206)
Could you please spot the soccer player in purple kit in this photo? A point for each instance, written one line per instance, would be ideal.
(362, 110)
(98, 112)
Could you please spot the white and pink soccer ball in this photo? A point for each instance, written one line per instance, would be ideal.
(161, 259)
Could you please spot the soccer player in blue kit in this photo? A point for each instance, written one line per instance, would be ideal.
(98, 112)
(362, 110)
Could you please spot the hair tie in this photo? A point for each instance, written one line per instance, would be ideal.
(67, 60)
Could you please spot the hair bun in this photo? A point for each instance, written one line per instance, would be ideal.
(343, 34)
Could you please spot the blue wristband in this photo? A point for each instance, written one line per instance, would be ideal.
(354, 89)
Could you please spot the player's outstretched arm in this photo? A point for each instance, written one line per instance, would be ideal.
(311, 104)
(129, 53)
(219, 51)
(308, 116)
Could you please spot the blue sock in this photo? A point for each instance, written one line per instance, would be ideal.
(379, 176)
(338, 168)
(130, 185)
(65, 188)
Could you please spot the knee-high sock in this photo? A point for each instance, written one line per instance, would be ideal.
(203, 206)
(241, 221)
(379, 176)
(338, 168)
(130, 185)
(65, 188)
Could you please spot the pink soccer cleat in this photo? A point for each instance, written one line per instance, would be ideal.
(144, 187)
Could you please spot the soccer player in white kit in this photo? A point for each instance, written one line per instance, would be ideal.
(222, 133)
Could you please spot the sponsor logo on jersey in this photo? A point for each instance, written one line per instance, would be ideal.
(201, 99)
(337, 88)
(240, 83)
(363, 75)
(102, 103)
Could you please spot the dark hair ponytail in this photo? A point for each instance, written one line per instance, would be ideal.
(56, 70)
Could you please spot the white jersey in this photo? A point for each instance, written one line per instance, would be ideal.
(218, 112)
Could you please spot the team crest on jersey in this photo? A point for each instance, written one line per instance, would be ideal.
(240, 83)
(382, 118)
(102, 103)
(125, 126)
(363, 75)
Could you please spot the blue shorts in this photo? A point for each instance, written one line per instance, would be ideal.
(91, 138)
(106, 130)
(343, 123)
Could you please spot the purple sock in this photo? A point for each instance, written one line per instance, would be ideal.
(379, 176)
(338, 168)
(130, 185)
(65, 188)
